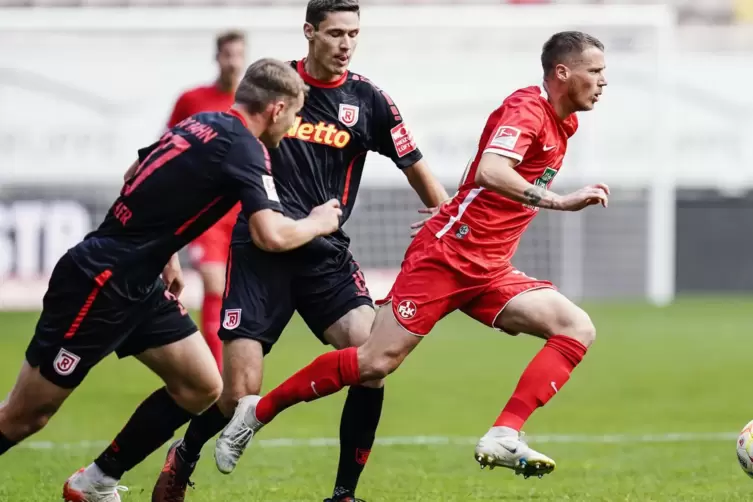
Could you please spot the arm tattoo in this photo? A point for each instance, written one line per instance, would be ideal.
(539, 197)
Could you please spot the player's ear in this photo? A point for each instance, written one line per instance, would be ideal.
(562, 72)
(278, 107)
(308, 31)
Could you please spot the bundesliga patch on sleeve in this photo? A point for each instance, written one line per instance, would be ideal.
(505, 137)
(403, 140)
(269, 186)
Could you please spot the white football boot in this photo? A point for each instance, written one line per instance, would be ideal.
(237, 434)
(505, 447)
(82, 488)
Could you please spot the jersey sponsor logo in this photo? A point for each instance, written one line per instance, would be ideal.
(269, 186)
(505, 137)
(406, 309)
(321, 133)
(232, 318)
(65, 362)
(348, 115)
(403, 140)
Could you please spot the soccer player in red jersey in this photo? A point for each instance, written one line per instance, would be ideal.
(209, 252)
(460, 260)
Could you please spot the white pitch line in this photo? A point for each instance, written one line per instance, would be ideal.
(670, 437)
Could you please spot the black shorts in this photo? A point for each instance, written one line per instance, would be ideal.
(263, 290)
(83, 320)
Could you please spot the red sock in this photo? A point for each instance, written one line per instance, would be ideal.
(545, 375)
(210, 325)
(326, 375)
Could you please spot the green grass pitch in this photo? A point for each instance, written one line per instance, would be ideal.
(651, 371)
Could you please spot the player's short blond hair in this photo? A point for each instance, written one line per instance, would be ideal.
(268, 80)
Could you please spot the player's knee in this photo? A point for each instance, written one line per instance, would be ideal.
(580, 327)
(379, 366)
(200, 395)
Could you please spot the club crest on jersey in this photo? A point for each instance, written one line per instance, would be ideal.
(232, 318)
(348, 115)
(505, 137)
(65, 362)
(406, 309)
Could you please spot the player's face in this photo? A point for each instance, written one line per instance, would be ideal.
(282, 117)
(231, 60)
(333, 44)
(586, 80)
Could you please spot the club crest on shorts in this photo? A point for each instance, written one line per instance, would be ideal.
(232, 318)
(462, 231)
(65, 362)
(406, 309)
(348, 115)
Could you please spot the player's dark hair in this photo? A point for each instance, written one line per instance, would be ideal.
(228, 37)
(566, 44)
(268, 80)
(317, 10)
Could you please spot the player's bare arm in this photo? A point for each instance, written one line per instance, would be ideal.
(273, 232)
(497, 173)
(425, 184)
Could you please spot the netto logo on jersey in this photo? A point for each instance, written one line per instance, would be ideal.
(321, 133)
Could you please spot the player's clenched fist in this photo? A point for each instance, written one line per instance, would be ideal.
(328, 216)
(586, 196)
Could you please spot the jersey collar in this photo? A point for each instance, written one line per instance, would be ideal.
(235, 113)
(319, 83)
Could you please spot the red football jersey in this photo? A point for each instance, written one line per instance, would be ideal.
(485, 226)
(201, 99)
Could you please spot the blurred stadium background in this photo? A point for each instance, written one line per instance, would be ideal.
(89, 81)
(84, 83)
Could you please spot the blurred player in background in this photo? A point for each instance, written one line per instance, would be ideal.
(106, 294)
(209, 252)
(344, 117)
(461, 260)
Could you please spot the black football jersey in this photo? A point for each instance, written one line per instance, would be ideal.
(323, 154)
(185, 183)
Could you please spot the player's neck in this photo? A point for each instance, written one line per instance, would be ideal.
(255, 123)
(318, 72)
(223, 86)
(559, 101)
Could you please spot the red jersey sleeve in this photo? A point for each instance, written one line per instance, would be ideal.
(518, 125)
(180, 111)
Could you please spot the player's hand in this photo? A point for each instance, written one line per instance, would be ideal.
(327, 216)
(417, 226)
(431, 211)
(172, 275)
(587, 196)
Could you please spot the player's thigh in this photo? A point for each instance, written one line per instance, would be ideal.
(333, 301)
(386, 348)
(545, 313)
(82, 321)
(30, 403)
(242, 373)
(168, 342)
(258, 302)
(515, 303)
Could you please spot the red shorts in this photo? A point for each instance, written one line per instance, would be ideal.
(436, 280)
(213, 246)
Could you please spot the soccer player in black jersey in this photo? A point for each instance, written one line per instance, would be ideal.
(106, 295)
(344, 117)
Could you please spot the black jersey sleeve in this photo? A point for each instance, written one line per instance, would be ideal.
(248, 166)
(390, 136)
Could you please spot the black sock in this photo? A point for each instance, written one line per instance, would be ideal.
(5, 443)
(151, 425)
(358, 426)
(200, 430)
